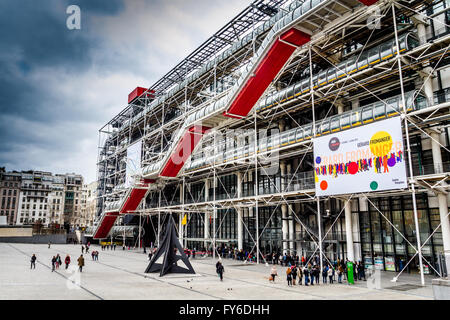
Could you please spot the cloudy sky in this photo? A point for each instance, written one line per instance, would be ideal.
(59, 86)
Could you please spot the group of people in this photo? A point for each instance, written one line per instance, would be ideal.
(311, 272)
(85, 248)
(109, 246)
(56, 262)
(94, 255)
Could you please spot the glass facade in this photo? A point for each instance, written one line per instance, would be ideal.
(388, 233)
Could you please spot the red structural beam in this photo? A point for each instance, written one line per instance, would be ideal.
(105, 225)
(368, 2)
(133, 201)
(266, 71)
(183, 150)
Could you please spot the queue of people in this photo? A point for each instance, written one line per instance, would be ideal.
(311, 272)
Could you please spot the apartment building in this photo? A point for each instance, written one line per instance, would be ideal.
(9, 195)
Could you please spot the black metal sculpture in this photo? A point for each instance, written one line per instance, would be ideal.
(168, 248)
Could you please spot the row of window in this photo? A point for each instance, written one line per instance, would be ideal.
(34, 206)
(34, 200)
(7, 203)
(33, 213)
(9, 192)
(11, 184)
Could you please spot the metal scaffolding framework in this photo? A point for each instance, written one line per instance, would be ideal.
(378, 55)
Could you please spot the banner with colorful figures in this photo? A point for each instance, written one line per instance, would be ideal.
(364, 159)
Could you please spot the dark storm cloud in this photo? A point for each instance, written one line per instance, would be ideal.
(34, 35)
(59, 86)
(36, 46)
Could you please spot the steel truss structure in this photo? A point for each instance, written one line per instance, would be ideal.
(360, 64)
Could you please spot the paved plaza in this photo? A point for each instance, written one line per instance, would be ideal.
(120, 275)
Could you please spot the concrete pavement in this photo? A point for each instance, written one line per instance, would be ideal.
(120, 275)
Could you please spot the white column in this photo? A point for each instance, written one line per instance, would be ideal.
(239, 212)
(281, 125)
(291, 229)
(207, 217)
(349, 231)
(348, 210)
(240, 228)
(355, 104)
(285, 227)
(421, 29)
(421, 33)
(442, 198)
(239, 184)
(284, 209)
(282, 174)
(206, 190)
(180, 216)
(445, 227)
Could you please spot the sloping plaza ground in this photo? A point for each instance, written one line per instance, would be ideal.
(120, 275)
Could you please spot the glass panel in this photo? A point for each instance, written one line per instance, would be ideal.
(325, 126)
(386, 50)
(379, 109)
(335, 123)
(356, 120)
(374, 55)
(367, 113)
(345, 121)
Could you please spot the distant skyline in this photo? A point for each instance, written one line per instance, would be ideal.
(58, 87)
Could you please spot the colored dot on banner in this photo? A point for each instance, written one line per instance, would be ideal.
(353, 168)
(324, 185)
(374, 185)
(318, 160)
(391, 162)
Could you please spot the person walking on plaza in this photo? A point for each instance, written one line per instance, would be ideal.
(300, 275)
(53, 263)
(82, 249)
(324, 274)
(49, 243)
(289, 276)
(361, 271)
(317, 276)
(330, 274)
(67, 261)
(80, 263)
(93, 255)
(87, 249)
(273, 273)
(340, 271)
(58, 261)
(355, 271)
(294, 274)
(220, 269)
(306, 273)
(33, 261)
